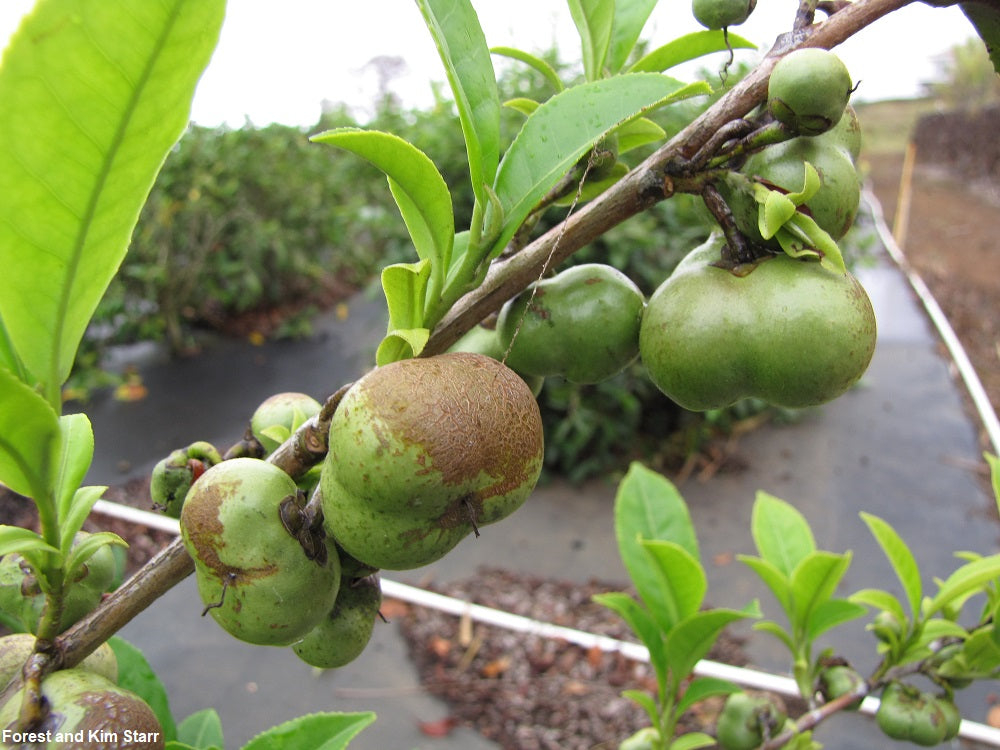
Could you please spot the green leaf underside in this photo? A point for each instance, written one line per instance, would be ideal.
(421, 194)
(325, 731)
(94, 94)
(630, 19)
(29, 438)
(77, 451)
(462, 46)
(531, 60)
(593, 20)
(688, 643)
(564, 128)
(686, 48)
(969, 577)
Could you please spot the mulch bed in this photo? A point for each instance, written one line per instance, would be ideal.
(526, 692)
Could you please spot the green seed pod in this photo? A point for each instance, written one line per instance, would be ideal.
(342, 635)
(82, 703)
(261, 581)
(808, 90)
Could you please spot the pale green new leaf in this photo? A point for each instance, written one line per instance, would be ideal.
(899, 556)
(776, 210)
(814, 580)
(642, 623)
(77, 452)
(462, 46)
(535, 62)
(693, 741)
(563, 129)
(779, 583)
(630, 19)
(638, 132)
(420, 191)
(405, 285)
(593, 19)
(970, 577)
(686, 48)
(810, 185)
(994, 463)
(781, 533)
(401, 343)
(682, 582)
(522, 104)
(645, 701)
(17, 539)
(880, 600)
(94, 96)
(76, 513)
(29, 439)
(325, 731)
(701, 688)
(688, 643)
(772, 628)
(806, 231)
(87, 547)
(830, 614)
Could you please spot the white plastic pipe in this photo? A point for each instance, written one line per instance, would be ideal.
(750, 678)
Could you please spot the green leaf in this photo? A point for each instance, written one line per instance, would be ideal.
(782, 534)
(86, 549)
(563, 129)
(937, 627)
(420, 191)
(693, 741)
(523, 105)
(701, 688)
(630, 19)
(688, 643)
(994, 463)
(777, 210)
(638, 132)
(17, 539)
(94, 98)
(535, 62)
(686, 48)
(985, 18)
(804, 230)
(593, 19)
(776, 581)
(466, 57)
(814, 580)
(75, 457)
(79, 508)
(325, 731)
(646, 702)
(831, 613)
(175, 745)
(970, 577)
(29, 435)
(401, 343)
(981, 653)
(135, 674)
(405, 288)
(642, 623)
(899, 556)
(682, 582)
(810, 185)
(772, 628)
(201, 729)
(880, 600)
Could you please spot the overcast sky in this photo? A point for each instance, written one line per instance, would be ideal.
(278, 61)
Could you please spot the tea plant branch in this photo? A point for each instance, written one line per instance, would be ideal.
(648, 183)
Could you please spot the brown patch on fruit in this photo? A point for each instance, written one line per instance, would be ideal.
(109, 713)
(467, 412)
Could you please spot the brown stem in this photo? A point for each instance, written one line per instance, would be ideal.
(814, 718)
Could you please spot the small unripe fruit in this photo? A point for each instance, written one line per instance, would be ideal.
(808, 90)
(341, 636)
(720, 14)
(17, 647)
(279, 415)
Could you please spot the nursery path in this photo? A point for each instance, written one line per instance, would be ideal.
(900, 446)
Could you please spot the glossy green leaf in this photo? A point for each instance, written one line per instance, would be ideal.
(88, 546)
(682, 582)
(686, 48)
(831, 613)
(937, 628)
(523, 105)
(981, 653)
(779, 583)
(810, 185)
(648, 506)
(79, 508)
(405, 286)
(401, 343)
(782, 534)
(563, 129)
(776, 210)
(688, 643)
(462, 45)
(899, 556)
(17, 539)
(535, 62)
(630, 19)
(202, 729)
(95, 94)
(814, 581)
(801, 235)
(638, 132)
(135, 674)
(77, 451)
(693, 741)
(970, 577)
(421, 194)
(701, 688)
(326, 731)
(29, 438)
(593, 19)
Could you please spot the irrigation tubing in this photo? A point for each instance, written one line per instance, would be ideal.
(748, 678)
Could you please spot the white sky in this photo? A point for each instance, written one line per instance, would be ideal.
(277, 62)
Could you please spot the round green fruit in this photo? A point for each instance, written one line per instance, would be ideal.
(424, 451)
(744, 720)
(808, 90)
(17, 647)
(788, 331)
(582, 324)
(720, 14)
(906, 713)
(839, 680)
(260, 582)
(280, 415)
(79, 701)
(342, 635)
